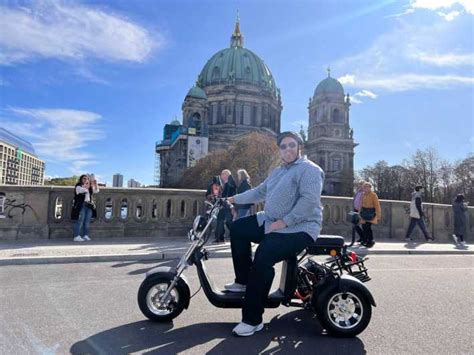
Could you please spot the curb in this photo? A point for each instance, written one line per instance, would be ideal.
(40, 260)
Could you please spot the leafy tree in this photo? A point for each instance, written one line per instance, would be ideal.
(255, 152)
(63, 181)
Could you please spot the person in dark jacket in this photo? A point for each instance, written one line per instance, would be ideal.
(224, 218)
(83, 208)
(244, 185)
(214, 190)
(416, 215)
(459, 211)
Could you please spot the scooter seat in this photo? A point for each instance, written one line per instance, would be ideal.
(325, 243)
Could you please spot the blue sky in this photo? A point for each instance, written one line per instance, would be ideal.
(91, 83)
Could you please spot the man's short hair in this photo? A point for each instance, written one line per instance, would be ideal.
(296, 136)
(227, 171)
(418, 187)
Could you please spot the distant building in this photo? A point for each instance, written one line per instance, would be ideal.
(133, 183)
(236, 94)
(117, 180)
(19, 164)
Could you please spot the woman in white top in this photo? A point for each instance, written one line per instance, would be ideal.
(83, 208)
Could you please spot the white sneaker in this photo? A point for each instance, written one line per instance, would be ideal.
(455, 239)
(78, 239)
(86, 237)
(244, 330)
(463, 243)
(235, 287)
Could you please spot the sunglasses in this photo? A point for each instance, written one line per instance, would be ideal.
(291, 145)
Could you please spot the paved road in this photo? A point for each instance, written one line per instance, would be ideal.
(425, 306)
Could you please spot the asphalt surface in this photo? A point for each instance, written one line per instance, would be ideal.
(424, 306)
(143, 249)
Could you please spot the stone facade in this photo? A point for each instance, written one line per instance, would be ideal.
(43, 212)
(235, 94)
(330, 138)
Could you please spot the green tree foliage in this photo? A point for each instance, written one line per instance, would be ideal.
(255, 152)
(64, 181)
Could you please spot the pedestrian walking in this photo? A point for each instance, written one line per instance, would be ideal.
(83, 208)
(459, 211)
(244, 185)
(416, 214)
(357, 205)
(370, 213)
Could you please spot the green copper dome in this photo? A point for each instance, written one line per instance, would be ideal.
(237, 65)
(197, 93)
(329, 85)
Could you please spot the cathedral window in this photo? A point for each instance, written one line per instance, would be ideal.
(337, 116)
(247, 115)
(336, 164)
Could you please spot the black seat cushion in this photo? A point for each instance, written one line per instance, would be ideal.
(325, 243)
(329, 240)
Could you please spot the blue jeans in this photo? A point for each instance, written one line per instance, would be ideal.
(83, 221)
(421, 223)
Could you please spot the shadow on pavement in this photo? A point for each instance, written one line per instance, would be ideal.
(152, 264)
(293, 333)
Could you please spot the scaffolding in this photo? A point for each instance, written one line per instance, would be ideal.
(157, 178)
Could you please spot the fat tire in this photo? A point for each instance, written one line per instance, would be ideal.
(323, 315)
(147, 284)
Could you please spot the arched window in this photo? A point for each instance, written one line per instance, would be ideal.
(196, 123)
(337, 116)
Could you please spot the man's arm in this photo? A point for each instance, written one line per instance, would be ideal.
(254, 195)
(418, 206)
(311, 184)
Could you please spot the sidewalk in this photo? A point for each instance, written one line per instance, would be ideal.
(143, 249)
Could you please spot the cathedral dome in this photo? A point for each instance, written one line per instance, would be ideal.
(237, 65)
(329, 85)
(197, 93)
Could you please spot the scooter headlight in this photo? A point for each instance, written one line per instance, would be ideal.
(199, 223)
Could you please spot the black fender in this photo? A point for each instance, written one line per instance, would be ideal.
(169, 272)
(341, 283)
(347, 280)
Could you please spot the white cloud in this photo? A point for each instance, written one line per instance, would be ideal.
(55, 29)
(467, 5)
(444, 60)
(406, 82)
(366, 93)
(393, 64)
(355, 100)
(449, 16)
(58, 135)
(346, 79)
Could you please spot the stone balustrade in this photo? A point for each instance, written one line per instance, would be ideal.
(31, 212)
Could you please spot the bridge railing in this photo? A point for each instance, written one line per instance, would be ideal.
(30, 212)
